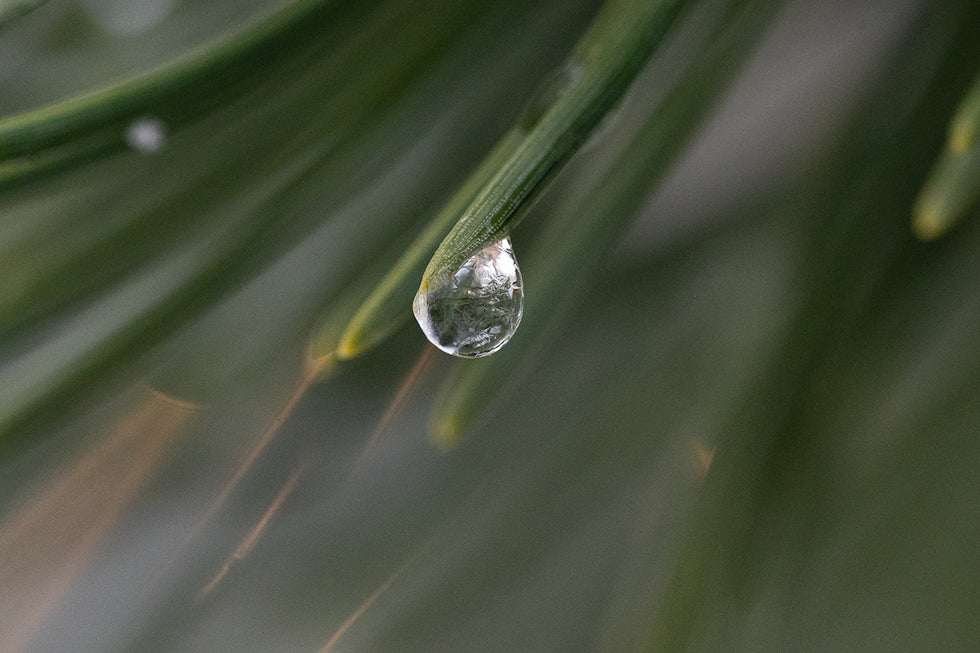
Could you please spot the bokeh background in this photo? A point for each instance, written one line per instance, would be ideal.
(744, 416)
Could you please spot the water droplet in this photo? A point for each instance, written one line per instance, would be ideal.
(555, 85)
(128, 17)
(146, 135)
(477, 311)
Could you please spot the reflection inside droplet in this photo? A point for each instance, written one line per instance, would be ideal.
(146, 135)
(477, 311)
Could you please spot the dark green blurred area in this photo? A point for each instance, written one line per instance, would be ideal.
(749, 424)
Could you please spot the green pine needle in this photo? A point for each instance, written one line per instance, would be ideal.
(593, 80)
(953, 186)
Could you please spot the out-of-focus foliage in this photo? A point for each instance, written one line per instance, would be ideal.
(741, 413)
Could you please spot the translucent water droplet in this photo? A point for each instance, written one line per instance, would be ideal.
(128, 17)
(146, 135)
(477, 311)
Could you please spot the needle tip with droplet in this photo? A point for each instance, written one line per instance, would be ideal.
(478, 309)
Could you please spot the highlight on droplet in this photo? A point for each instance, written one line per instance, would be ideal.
(479, 308)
